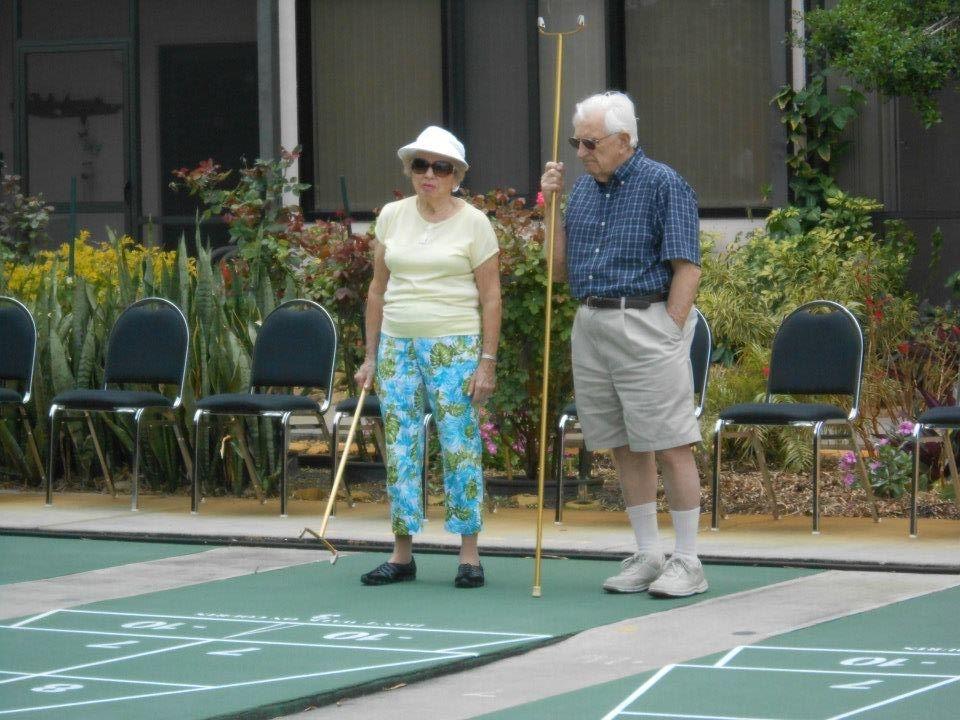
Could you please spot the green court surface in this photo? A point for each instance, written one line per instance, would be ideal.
(899, 662)
(272, 642)
(38, 558)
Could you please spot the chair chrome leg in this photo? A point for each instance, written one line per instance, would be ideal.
(195, 497)
(715, 499)
(285, 422)
(51, 461)
(915, 480)
(32, 443)
(101, 457)
(558, 474)
(817, 428)
(182, 444)
(952, 464)
(865, 476)
(135, 479)
(765, 478)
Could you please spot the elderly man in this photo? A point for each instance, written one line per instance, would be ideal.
(630, 246)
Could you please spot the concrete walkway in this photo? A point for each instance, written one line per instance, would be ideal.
(843, 542)
(598, 655)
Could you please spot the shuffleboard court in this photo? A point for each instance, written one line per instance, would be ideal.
(38, 558)
(900, 661)
(278, 641)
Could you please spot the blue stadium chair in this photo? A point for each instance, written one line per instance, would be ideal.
(944, 418)
(296, 348)
(818, 350)
(148, 346)
(18, 355)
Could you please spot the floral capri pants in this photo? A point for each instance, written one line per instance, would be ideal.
(410, 371)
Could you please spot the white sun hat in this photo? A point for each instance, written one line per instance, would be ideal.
(438, 141)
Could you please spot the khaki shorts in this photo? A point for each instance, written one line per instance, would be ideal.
(633, 379)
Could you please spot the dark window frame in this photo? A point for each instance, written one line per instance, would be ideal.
(616, 80)
(453, 32)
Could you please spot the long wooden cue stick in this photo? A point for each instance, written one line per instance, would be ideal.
(339, 476)
(548, 310)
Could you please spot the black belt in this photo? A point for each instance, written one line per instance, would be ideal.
(631, 302)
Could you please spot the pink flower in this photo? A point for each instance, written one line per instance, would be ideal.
(848, 480)
(905, 428)
(848, 460)
(883, 441)
(540, 201)
(875, 465)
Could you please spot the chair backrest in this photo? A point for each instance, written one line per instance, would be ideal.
(149, 343)
(700, 352)
(18, 344)
(296, 347)
(817, 352)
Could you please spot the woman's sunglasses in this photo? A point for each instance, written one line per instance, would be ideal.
(441, 168)
(589, 143)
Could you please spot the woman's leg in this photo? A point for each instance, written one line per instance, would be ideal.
(446, 364)
(401, 393)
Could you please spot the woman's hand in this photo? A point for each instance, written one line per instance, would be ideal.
(483, 382)
(367, 372)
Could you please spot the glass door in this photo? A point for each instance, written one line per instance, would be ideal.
(75, 133)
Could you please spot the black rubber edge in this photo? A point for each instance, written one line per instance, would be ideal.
(347, 545)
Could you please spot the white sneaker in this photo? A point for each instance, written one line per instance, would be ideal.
(681, 576)
(636, 573)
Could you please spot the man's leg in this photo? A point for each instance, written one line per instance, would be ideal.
(683, 574)
(637, 472)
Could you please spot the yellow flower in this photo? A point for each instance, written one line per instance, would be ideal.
(96, 263)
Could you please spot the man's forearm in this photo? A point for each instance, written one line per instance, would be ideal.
(683, 290)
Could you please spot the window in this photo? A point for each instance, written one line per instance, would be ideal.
(377, 70)
(702, 75)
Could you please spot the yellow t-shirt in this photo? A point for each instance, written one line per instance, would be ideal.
(432, 291)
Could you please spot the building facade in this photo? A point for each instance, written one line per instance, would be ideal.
(103, 99)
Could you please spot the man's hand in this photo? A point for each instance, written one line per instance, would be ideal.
(552, 179)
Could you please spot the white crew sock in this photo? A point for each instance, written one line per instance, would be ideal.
(685, 526)
(643, 519)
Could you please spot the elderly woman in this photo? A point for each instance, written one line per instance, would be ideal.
(433, 325)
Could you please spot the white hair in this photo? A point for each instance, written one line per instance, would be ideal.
(619, 114)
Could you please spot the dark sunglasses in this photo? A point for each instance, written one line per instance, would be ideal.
(589, 143)
(441, 168)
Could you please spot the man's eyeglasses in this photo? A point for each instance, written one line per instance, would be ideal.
(441, 168)
(589, 143)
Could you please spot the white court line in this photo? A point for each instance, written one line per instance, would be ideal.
(102, 662)
(692, 717)
(296, 623)
(851, 650)
(217, 687)
(111, 680)
(639, 691)
(255, 631)
(28, 620)
(894, 699)
(808, 671)
(729, 656)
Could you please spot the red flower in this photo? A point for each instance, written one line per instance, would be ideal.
(766, 371)
(904, 348)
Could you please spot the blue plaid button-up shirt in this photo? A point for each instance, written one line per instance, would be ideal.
(622, 234)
